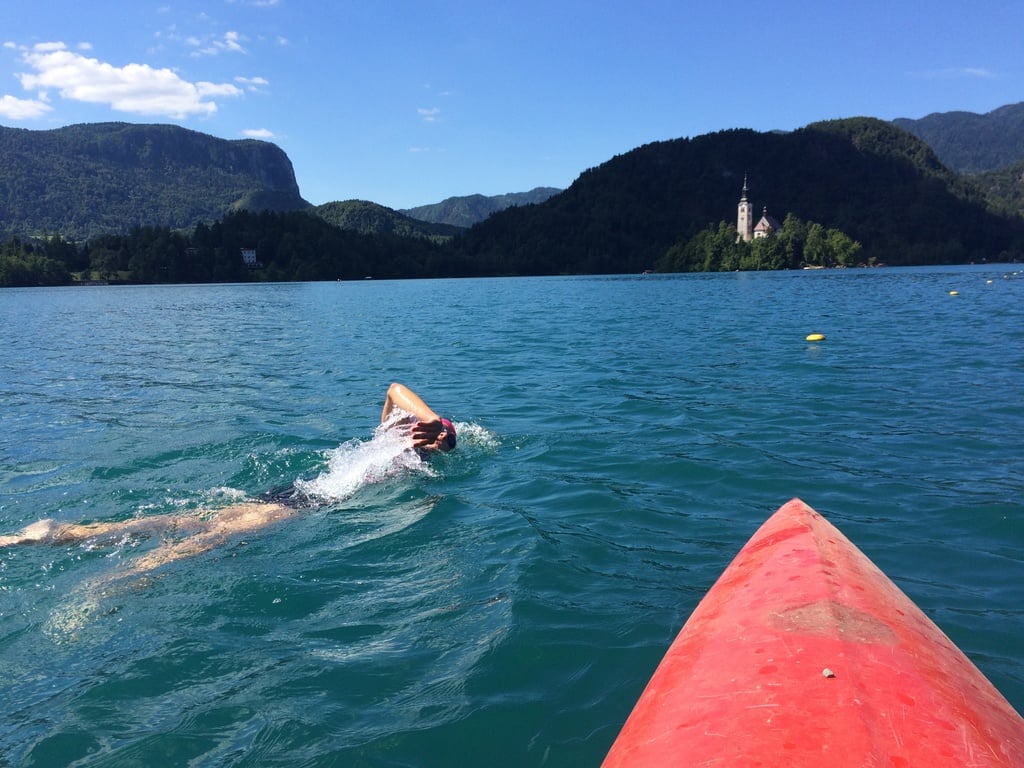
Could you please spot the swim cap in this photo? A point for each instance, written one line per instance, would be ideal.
(449, 438)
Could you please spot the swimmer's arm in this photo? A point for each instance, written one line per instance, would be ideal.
(400, 396)
(428, 426)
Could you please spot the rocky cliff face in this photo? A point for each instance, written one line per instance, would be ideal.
(109, 177)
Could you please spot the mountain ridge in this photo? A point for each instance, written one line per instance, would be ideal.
(95, 178)
(875, 182)
(467, 210)
(871, 182)
(969, 142)
(368, 218)
(638, 203)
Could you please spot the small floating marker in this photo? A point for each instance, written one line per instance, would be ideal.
(988, 282)
(954, 293)
(815, 337)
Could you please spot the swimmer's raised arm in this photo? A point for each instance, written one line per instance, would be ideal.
(431, 432)
(402, 397)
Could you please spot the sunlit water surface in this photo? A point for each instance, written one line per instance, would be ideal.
(504, 605)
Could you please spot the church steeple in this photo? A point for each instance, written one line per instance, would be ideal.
(745, 216)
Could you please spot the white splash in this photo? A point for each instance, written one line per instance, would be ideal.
(357, 463)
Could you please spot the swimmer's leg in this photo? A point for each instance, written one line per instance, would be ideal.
(228, 522)
(37, 532)
(49, 531)
(191, 536)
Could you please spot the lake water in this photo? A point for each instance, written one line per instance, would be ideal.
(620, 439)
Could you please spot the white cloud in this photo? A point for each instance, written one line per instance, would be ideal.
(135, 88)
(22, 109)
(258, 133)
(231, 42)
(253, 84)
(429, 115)
(953, 73)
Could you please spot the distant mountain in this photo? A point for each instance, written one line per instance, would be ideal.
(971, 143)
(90, 179)
(867, 178)
(470, 210)
(370, 218)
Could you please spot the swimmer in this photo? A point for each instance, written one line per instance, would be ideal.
(192, 534)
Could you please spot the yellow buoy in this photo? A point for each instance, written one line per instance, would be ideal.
(954, 293)
(815, 337)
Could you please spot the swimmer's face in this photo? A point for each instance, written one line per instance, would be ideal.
(440, 444)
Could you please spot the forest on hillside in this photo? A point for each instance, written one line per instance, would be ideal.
(857, 182)
(879, 185)
(86, 180)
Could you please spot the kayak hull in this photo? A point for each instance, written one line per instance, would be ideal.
(804, 653)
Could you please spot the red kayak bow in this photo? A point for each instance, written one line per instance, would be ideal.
(804, 653)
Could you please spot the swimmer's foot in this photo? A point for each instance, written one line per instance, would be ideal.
(35, 533)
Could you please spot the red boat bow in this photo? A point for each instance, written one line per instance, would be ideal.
(804, 653)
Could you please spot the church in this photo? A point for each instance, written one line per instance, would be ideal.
(745, 220)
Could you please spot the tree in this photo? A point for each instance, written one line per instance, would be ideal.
(815, 247)
(843, 250)
(22, 264)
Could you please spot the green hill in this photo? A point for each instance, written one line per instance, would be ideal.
(472, 209)
(370, 218)
(877, 183)
(90, 179)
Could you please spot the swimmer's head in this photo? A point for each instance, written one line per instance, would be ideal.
(449, 435)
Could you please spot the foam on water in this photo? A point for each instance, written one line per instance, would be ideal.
(357, 463)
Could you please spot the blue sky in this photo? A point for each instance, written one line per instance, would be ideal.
(407, 103)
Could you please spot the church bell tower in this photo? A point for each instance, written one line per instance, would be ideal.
(745, 216)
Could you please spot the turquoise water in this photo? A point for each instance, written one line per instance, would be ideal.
(620, 439)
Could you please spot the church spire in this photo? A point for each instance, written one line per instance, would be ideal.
(744, 216)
